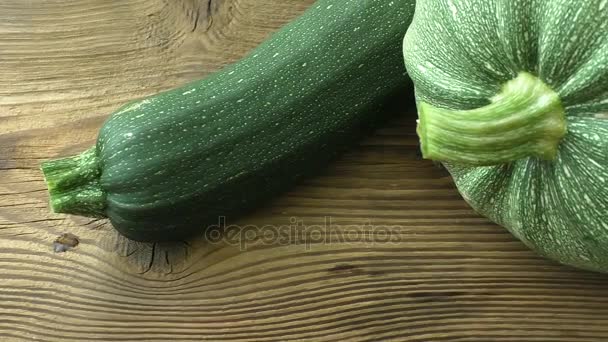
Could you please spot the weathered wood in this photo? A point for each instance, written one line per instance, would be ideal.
(446, 274)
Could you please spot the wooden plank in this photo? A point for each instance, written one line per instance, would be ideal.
(379, 247)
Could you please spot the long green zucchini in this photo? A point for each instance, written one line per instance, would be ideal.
(167, 166)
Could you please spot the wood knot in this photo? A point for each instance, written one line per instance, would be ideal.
(65, 242)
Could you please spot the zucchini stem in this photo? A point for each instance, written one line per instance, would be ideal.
(74, 186)
(526, 119)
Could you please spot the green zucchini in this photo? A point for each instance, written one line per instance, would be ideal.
(512, 96)
(167, 166)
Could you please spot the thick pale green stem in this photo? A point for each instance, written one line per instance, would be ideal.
(526, 119)
(73, 184)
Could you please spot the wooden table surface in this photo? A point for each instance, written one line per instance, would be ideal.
(403, 258)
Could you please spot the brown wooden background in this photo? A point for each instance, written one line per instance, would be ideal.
(452, 275)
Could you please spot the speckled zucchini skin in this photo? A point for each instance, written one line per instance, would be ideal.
(171, 164)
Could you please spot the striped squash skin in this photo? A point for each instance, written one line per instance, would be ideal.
(460, 53)
(170, 165)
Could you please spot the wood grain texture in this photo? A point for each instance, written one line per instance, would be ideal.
(386, 248)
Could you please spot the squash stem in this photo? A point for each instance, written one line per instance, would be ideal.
(526, 119)
(73, 184)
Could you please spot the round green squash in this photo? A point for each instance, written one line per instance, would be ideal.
(513, 97)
